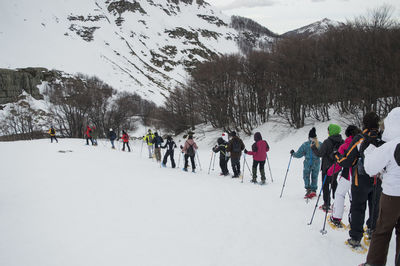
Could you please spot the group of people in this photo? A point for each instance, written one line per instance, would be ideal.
(366, 165)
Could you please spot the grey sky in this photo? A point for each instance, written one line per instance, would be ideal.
(284, 15)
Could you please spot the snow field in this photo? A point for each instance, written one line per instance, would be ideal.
(97, 206)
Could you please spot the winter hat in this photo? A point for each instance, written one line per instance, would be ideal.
(257, 136)
(155, 134)
(220, 141)
(371, 120)
(169, 138)
(190, 137)
(110, 129)
(233, 134)
(352, 130)
(312, 134)
(334, 129)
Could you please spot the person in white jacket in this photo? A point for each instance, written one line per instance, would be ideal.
(385, 160)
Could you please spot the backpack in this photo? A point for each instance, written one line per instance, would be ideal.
(150, 138)
(190, 151)
(236, 147)
(52, 131)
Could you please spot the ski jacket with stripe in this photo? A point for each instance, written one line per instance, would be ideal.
(170, 145)
(354, 155)
(221, 148)
(386, 158)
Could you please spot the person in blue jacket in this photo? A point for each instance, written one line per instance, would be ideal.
(311, 164)
(112, 136)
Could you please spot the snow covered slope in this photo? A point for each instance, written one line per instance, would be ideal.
(145, 46)
(97, 206)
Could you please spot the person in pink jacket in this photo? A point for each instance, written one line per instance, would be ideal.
(189, 149)
(259, 151)
(344, 181)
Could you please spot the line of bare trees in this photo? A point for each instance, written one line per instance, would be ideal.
(352, 69)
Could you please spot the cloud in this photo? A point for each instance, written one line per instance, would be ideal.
(249, 3)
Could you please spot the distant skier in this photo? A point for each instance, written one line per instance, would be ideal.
(235, 148)
(95, 135)
(190, 152)
(311, 163)
(344, 182)
(52, 133)
(88, 135)
(125, 139)
(149, 141)
(327, 151)
(223, 156)
(112, 137)
(157, 141)
(170, 146)
(259, 151)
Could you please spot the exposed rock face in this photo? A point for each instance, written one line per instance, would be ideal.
(14, 82)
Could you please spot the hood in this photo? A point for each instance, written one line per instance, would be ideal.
(257, 136)
(392, 125)
(336, 138)
(397, 154)
(334, 129)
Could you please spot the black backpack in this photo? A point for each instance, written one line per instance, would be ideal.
(190, 151)
(236, 147)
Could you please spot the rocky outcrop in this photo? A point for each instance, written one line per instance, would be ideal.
(14, 82)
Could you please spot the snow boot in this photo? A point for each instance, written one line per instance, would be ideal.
(262, 182)
(185, 169)
(312, 194)
(254, 181)
(354, 243)
(307, 195)
(336, 222)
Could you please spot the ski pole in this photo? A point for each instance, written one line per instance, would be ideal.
(316, 204)
(248, 167)
(214, 162)
(287, 171)
(198, 159)
(212, 155)
(323, 230)
(141, 149)
(244, 162)
(373, 224)
(269, 166)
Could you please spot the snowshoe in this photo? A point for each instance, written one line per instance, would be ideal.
(336, 224)
(307, 195)
(185, 169)
(367, 237)
(262, 182)
(356, 246)
(312, 195)
(253, 181)
(193, 171)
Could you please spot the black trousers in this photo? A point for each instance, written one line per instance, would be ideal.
(235, 162)
(223, 163)
(331, 181)
(53, 137)
(191, 161)
(87, 140)
(171, 154)
(360, 196)
(127, 144)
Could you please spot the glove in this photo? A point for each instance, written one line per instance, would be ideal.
(245, 151)
(291, 152)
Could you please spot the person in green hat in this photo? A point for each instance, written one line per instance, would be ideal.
(327, 151)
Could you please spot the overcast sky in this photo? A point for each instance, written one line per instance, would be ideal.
(284, 15)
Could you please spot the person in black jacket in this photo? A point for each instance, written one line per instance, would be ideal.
(223, 158)
(362, 187)
(170, 145)
(157, 141)
(326, 151)
(112, 136)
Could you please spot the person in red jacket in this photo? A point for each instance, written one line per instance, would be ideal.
(88, 135)
(125, 139)
(259, 152)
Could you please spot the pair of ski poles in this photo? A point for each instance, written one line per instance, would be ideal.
(196, 155)
(212, 160)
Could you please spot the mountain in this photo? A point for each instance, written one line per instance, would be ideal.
(146, 46)
(315, 28)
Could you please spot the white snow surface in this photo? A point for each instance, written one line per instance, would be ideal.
(97, 206)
